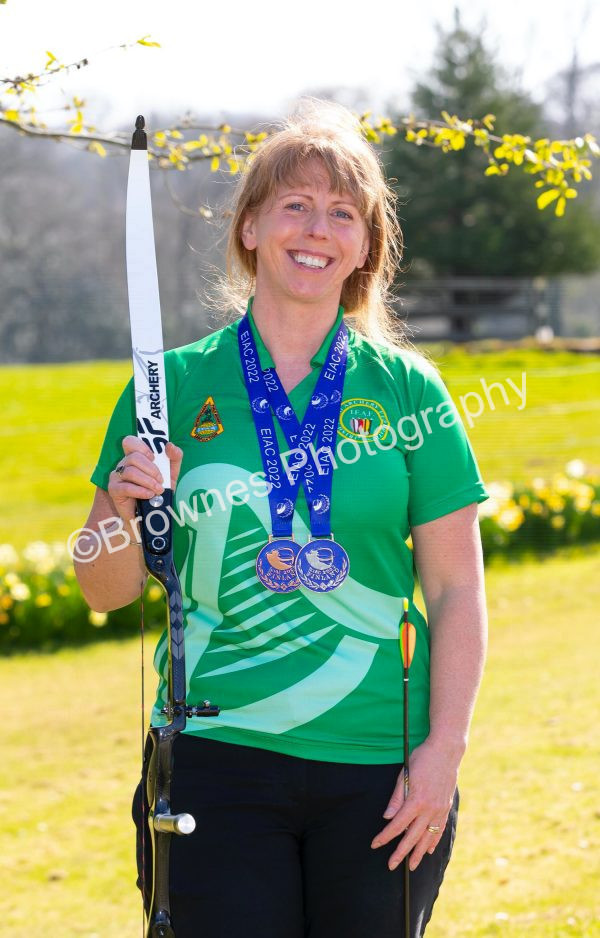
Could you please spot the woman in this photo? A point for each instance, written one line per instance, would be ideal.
(308, 451)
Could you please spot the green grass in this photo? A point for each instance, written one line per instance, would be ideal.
(529, 778)
(528, 840)
(561, 419)
(54, 424)
(55, 417)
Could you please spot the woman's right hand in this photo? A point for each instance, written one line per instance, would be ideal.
(140, 477)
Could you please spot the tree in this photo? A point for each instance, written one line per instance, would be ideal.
(459, 223)
(561, 164)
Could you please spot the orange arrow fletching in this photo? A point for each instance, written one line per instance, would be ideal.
(412, 639)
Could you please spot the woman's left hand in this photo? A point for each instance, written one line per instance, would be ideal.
(432, 782)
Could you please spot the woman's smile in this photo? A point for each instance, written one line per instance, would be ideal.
(310, 261)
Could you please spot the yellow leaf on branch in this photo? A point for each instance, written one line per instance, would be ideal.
(591, 142)
(97, 147)
(457, 141)
(77, 124)
(547, 197)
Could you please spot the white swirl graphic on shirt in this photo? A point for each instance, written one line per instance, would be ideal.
(210, 547)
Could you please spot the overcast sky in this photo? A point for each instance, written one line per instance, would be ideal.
(234, 55)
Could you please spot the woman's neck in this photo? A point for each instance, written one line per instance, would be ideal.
(292, 333)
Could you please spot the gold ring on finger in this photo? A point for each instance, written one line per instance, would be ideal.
(433, 828)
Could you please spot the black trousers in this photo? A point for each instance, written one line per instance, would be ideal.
(282, 848)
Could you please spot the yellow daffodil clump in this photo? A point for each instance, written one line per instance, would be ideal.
(544, 514)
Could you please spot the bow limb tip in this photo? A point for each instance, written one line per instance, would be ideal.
(139, 140)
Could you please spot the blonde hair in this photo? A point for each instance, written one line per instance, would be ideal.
(329, 132)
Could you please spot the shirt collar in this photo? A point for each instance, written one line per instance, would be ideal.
(320, 356)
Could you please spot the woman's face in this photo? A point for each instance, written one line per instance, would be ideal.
(307, 241)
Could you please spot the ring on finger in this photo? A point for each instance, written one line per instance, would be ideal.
(433, 828)
(120, 468)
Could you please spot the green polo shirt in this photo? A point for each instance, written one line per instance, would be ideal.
(312, 675)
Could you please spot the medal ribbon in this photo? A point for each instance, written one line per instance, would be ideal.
(266, 395)
(282, 490)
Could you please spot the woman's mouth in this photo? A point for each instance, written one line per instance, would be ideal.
(309, 261)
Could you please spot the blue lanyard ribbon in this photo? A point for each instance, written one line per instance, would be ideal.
(314, 466)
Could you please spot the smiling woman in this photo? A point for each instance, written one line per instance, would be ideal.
(293, 631)
(320, 167)
(306, 245)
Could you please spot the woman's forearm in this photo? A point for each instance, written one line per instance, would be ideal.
(117, 575)
(458, 627)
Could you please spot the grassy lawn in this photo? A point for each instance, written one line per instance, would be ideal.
(56, 416)
(527, 850)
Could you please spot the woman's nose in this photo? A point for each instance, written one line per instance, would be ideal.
(318, 223)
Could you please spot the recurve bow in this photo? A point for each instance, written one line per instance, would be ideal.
(156, 530)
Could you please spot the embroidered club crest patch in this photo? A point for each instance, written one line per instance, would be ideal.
(208, 423)
(360, 420)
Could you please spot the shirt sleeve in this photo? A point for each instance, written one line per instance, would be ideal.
(443, 471)
(122, 423)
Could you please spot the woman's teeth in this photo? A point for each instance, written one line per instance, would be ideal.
(309, 261)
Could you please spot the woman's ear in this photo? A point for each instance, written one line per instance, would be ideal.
(249, 232)
(364, 253)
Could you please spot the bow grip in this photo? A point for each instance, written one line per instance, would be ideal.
(156, 523)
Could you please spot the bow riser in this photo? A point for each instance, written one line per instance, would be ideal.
(158, 783)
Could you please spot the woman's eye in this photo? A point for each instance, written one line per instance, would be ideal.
(340, 212)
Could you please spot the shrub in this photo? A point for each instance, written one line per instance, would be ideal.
(41, 605)
(542, 515)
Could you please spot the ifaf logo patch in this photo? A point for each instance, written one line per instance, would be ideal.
(208, 423)
(361, 418)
